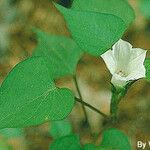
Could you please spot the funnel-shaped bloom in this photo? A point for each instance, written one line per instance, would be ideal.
(125, 63)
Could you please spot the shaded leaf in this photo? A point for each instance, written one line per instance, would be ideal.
(11, 132)
(66, 143)
(60, 128)
(115, 140)
(94, 32)
(29, 96)
(61, 53)
(120, 8)
(144, 6)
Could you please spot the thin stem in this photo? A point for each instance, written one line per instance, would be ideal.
(81, 98)
(91, 107)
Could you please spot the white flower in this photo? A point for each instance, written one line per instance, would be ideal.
(125, 63)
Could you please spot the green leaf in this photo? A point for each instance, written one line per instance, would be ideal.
(28, 96)
(11, 132)
(60, 128)
(66, 143)
(120, 8)
(94, 32)
(113, 139)
(147, 66)
(144, 6)
(61, 53)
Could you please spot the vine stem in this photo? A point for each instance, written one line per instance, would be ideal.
(81, 98)
(114, 108)
(117, 95)
(91, 107)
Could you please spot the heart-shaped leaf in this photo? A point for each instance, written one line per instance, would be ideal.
(120, 8)
(61, 53)
(147, 66)
(94, 32)
(28, 96)
(70, 142)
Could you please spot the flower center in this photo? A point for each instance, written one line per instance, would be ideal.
(121, 73)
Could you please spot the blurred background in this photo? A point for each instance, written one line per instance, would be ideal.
(17, 43)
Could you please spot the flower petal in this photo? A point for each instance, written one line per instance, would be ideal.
(137, 74)
(136, 66)
(109, 61)
(118, 80)
(121, 52)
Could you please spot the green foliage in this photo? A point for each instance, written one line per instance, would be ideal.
(60, 128)
(29, 96)
(60, 53)
(145, 8)
(120, 8)
(113, 139)
(4, 145)
(89, 147)
(70, 142)
(147, 66)
(94, 32)
(11, 132)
